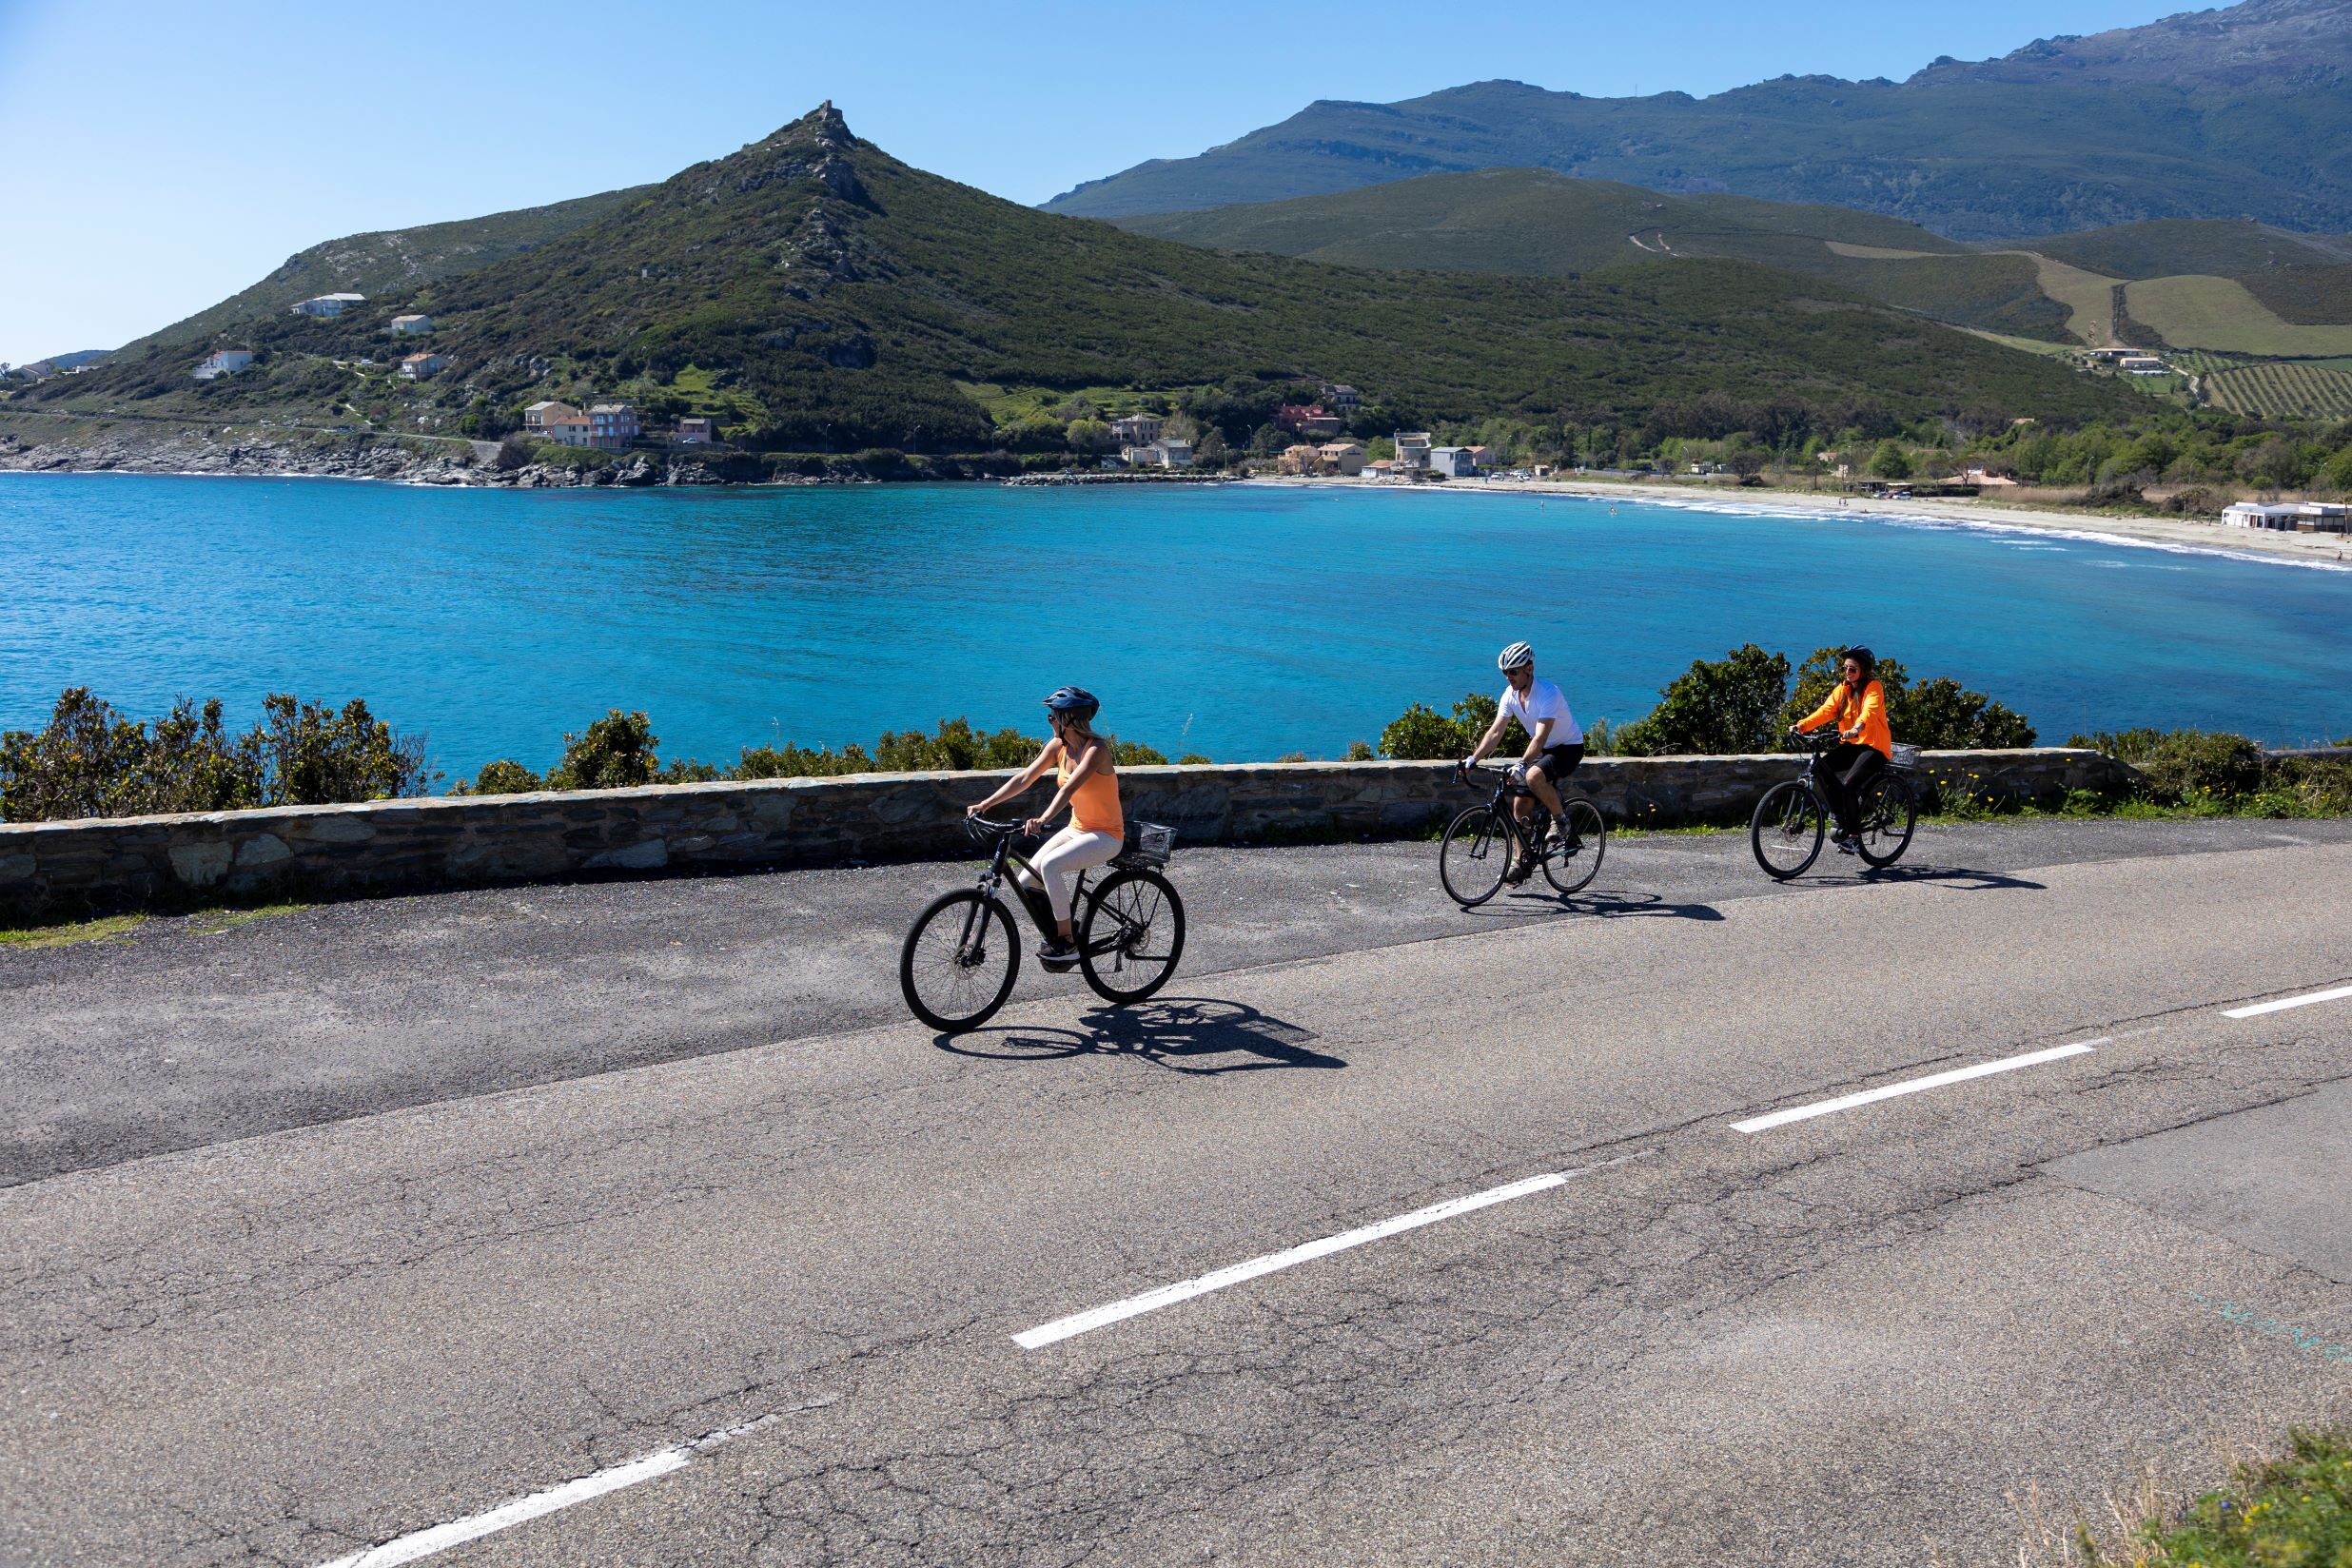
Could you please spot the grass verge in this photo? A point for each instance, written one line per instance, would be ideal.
(111, 928)
(2294, 1509)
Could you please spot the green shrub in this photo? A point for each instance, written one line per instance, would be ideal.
(614, 753)
(500, 777)
(1193, 759)
(1421, 733)
(314, 756)
(2187, 766)
(1726, 707)
(1134, 754)
(2293, 1510)
(1359, 751)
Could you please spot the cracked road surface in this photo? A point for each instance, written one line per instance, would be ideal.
(448, 1206)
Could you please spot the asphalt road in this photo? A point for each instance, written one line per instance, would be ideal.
(355, 1222)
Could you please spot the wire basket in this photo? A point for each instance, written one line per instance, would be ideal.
(1905, 757)
(1148, 843)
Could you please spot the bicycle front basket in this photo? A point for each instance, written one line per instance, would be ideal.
(1148, 843)
(1905, 757)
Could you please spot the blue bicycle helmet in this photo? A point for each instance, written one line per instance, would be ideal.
(1075, 701)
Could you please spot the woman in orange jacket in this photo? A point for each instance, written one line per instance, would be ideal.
(1858, 706)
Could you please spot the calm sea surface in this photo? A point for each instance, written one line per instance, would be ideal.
(1242, 622)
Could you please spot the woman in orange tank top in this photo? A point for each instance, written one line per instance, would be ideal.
(1088, 784)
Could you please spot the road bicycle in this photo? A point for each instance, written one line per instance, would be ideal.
(1793, 816)
(957, 965)
(1481, 843)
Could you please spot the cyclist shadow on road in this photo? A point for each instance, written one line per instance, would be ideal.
(1532, 904)
(1194, 1034)
(1962, 877)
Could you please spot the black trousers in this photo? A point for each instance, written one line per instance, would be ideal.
(1844, 769)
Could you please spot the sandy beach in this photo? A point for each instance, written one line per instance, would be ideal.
(2332, 550)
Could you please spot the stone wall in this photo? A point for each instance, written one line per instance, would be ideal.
(65, 868)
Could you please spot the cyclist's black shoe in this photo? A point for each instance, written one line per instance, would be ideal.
(1058, 955)
(1848, 846)
(1522, 867)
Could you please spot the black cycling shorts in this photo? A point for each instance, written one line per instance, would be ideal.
(1557, 762)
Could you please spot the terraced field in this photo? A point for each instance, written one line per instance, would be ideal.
(2220, 314)
(2280, 391)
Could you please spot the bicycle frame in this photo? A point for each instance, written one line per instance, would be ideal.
(1524, 834)
(992, 882)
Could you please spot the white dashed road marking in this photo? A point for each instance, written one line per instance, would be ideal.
(1913, 1086)
(1183, 1290)
(2287, 1002)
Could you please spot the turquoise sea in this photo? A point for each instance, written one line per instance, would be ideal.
(1239, 622)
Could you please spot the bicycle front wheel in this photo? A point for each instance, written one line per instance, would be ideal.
(957, 965)
(1889, 810)
(1787, 829)
(1572, 867)
(1477, 851)
(1133, 934)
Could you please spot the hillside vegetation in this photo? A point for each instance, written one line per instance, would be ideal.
(839, 298)
(394, 261)
(2173, 246)
(1542, 223)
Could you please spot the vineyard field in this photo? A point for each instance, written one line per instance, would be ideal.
(2282, 391)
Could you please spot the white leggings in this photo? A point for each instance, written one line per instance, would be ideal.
(1064, 855)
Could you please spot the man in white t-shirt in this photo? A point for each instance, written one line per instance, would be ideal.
(1555, 744)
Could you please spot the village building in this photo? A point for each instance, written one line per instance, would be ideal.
(696, 430)
(2307, 517)
(403, 325)
(1341, 398)
(1381, 468)
(1451, 462)
(612, 426)
(327, 304)
(1164, 453)
(1302, 460)
(1135, 429)
(1985, 480)
(416, 367)
(1483, 456)
(1309, 419)
(227, 361)
(1412, 449)
(1343, 458)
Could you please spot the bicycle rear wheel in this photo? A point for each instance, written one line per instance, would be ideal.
(1477, 851)
(1787, 829)
(1133, 934)
(1887, 812)
(957, 965)
(1571, 867)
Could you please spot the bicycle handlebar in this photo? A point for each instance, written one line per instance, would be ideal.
(981, 827)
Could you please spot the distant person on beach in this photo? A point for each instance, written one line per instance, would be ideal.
(1865, 745)
(1555, 744)
(1087, 784)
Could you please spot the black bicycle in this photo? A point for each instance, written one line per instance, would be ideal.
(1481, 843)
(1793, 817)
(958, 963)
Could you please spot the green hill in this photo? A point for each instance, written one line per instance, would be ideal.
(1547, 223)
(839, 298)
(2206, 114)
(395, 263)
(2175, 248)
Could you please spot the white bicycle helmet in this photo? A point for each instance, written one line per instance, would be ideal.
(1513, 656)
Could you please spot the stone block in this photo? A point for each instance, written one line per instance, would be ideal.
(645, 855)
(261, 852)
(18, 867)
(340, 828)
(200, 865)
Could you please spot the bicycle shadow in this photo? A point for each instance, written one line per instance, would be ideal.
(1181, 1033)
(1965, 879)
(1533, 903)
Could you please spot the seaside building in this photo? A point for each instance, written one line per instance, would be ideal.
(1453, 462)
(1308, 420)
(403, 325)
(1341, 398)
(1299, 462)
(696, 430)
(327, 304)
(227, 361)
(543, 414)
(1381, 468)
(1483, 456)
(1343, 458)
(612, 426)
(1135, 429)
(2307, 516)
(1412, 449)
(1165, 453)
(416, 367)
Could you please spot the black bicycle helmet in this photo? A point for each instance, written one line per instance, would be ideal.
(1863, 656)
(1075, 701)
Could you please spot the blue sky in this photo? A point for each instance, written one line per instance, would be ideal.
(162, 156)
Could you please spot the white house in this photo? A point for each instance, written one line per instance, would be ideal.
(225, 362)
(696, 430)
(416, 367)
(402, 325)
(2247, 514)
(328, 304)
(1165, 453)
